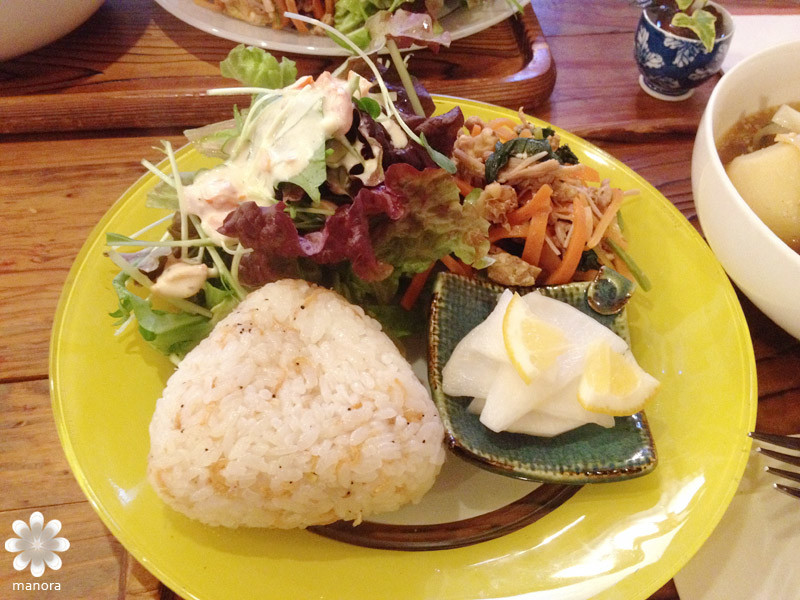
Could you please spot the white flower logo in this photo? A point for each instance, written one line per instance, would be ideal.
(37, 544)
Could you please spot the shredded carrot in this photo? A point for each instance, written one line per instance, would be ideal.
(282, 9)
(281, 5)
(476, 129)
(502, 122)
(303, 82)
(603, 257)
(329, 7)
(505, 133)
(577, 242)
(549, 261)
(500, 232)
(414, 289)
(456, 266)
(539, 201)
(585, 173)
(532, 250)
(299, 25)
(608, 216)
(463, 187)
(317, 9)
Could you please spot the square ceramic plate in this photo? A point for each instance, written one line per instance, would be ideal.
(588, 454)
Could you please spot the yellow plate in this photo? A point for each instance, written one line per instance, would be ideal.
(616, 540)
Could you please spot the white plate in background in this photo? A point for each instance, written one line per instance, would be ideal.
(460, 23)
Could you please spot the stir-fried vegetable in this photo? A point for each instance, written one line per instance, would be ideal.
(547, 210)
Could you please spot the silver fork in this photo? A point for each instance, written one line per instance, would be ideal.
(782, 441)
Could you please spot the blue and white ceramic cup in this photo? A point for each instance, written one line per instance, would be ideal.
(671, 66)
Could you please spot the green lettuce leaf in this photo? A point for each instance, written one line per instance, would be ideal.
(171, 333)
(217, 139)
(435, 223)
(377, 300)
(253, 67)
(351, 15)
(314, 175)
(164, 195)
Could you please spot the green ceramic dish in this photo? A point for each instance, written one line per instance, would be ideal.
(588, 454)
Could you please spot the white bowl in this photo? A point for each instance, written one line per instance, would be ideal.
(26, 25)
(764, 268)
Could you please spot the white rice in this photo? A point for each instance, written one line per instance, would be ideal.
(296, 411)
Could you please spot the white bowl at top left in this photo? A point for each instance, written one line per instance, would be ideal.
(26, 25)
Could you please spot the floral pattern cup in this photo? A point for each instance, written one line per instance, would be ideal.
(671, 66)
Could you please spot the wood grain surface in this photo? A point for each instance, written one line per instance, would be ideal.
(142, 67)
(55, 186)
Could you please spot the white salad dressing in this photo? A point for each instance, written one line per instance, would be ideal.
(284, 136)
(396, 133)
(360, 84)
(348, 158)
(180, 280)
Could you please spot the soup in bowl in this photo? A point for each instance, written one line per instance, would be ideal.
(762, 264)
(761, 154)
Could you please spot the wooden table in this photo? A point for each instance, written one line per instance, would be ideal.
(63, 171)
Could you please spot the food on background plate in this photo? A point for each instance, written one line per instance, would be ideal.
(295, 411)
(761, 154)
(539, 366)
(361, 20)
(270, 14)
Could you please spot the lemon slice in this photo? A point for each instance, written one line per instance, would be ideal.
(532, 344)
(613, 383)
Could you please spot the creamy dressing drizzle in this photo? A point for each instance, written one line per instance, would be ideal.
(180, 280)
(286, 133)
(396, 133)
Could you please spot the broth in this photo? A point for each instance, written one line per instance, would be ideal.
(766, 173)
(738, 139)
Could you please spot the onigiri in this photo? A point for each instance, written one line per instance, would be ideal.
(297, 410)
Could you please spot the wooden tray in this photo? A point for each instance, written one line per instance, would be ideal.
(134, 65)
